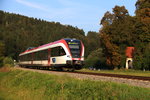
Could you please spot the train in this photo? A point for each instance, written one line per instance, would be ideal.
(62, 54)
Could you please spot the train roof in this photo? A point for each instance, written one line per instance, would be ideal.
(68, 39)
(48, 44)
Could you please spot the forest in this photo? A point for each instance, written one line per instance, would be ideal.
(103, 49)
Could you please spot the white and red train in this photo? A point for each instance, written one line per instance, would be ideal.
(64, 53)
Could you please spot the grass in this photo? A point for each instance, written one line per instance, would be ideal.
(26, 85)
(121, 71)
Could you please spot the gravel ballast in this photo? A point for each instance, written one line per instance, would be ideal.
(139, 83)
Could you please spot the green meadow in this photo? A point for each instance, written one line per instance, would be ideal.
(26, 85)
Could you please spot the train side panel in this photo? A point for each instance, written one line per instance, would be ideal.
(52, 59)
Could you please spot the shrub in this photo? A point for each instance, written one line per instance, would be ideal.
(141, 58)
(96, 60)
(92, 62)
(8, 61)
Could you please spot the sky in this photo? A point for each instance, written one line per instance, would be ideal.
(84, 14)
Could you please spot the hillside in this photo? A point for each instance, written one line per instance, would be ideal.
(19, 32)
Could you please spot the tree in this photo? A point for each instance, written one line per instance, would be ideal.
(120, 30)
(107, 19)
(142, 31)
(111, 51)
(116, 33)
(93, 42)
(2, 51)
(120, 12)
(142, 10)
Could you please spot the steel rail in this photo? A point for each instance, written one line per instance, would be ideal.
(143, 78)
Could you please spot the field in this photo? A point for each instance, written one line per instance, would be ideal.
(26, 85)
(122, 72)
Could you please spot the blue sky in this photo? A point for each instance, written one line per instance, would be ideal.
(85, 14)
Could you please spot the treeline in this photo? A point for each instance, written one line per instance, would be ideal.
(120, 30)
(105, 49)
(18, 32)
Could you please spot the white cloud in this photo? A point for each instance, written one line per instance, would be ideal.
(31, 4)
(48, 11)
(68, 12)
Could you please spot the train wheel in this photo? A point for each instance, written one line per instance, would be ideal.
(65, 69)
(71, 70)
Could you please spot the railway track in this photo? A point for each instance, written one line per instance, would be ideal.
(132, 77)
(139, 81)
(115, 75)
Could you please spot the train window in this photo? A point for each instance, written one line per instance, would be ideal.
(57, 51)
(44, 54)
(21, 58)
(36, 56)
(28, 57)
(25, 57)
(61, 51)
(74, 46)
(41, 55)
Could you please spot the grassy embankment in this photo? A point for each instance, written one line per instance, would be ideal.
(122, 72)
(26, 85)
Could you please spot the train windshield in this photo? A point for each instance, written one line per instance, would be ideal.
(75, 48)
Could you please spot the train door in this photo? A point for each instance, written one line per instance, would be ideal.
(32, 58)
(49, 57)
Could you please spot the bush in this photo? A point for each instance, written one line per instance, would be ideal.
(137, 63)
(141, 58)
(8, 61)
(92, 62)
(96, 60)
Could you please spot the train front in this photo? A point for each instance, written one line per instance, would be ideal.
(76, 49)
